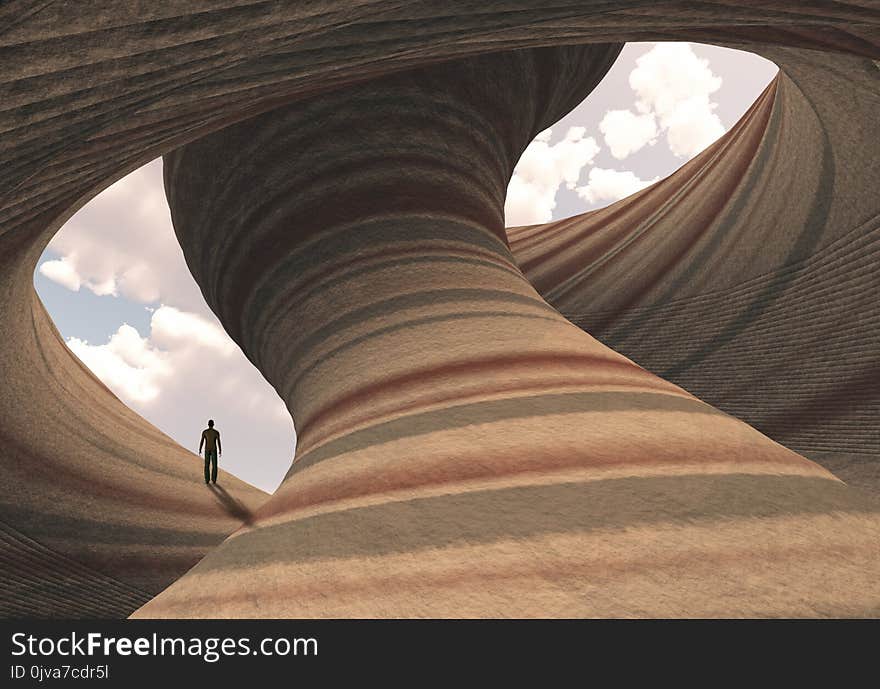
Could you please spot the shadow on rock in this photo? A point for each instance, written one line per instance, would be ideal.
(234, 507)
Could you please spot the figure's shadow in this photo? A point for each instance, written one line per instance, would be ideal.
(234, 507)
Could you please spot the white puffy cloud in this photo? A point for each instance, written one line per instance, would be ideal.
(673, 89)
(63, 272)
(187, 370)
(611, 185)
(625, 132)
(542, 169)
(668, 74)
(675, 85)
(692, 126)
(122, 243)
(128, 364)
(172, 328)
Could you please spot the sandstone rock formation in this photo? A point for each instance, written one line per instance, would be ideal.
(748, 277)
(463, 448)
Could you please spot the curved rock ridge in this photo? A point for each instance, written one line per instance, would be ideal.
(463, 449)
(748, 277)
(100, 522)
(99, 510)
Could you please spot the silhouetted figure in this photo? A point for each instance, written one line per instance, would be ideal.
(211, 442)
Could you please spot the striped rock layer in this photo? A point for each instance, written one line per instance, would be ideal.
(463, 449)
(480, 455)
(749, 276)
(99, 510)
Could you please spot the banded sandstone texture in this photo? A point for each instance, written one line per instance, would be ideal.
(463, 449)
(749, 276)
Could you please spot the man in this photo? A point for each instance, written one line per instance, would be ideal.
(211, 442)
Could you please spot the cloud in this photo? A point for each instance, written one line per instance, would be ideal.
(122, 243)
(128, 364)
(173, 328)
(673, 88)
(692, 126)
(187, 370)
(542, 169)
(63, 272)
(671, 82)
(611, 185)
(625, 132)
(668, 74)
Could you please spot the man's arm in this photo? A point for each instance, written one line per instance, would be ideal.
(219, 447)
(202, 443)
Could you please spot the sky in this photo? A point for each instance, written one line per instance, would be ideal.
(115, 282)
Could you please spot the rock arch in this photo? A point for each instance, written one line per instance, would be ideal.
(695, 514)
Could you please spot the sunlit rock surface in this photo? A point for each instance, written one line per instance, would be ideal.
(463, 448)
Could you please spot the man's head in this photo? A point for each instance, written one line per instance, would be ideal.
(210, 423)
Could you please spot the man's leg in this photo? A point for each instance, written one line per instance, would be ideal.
(214, 467)
(207, 465)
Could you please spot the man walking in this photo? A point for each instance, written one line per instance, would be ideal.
(211, 442)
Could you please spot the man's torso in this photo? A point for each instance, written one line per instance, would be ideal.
(210, 435)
